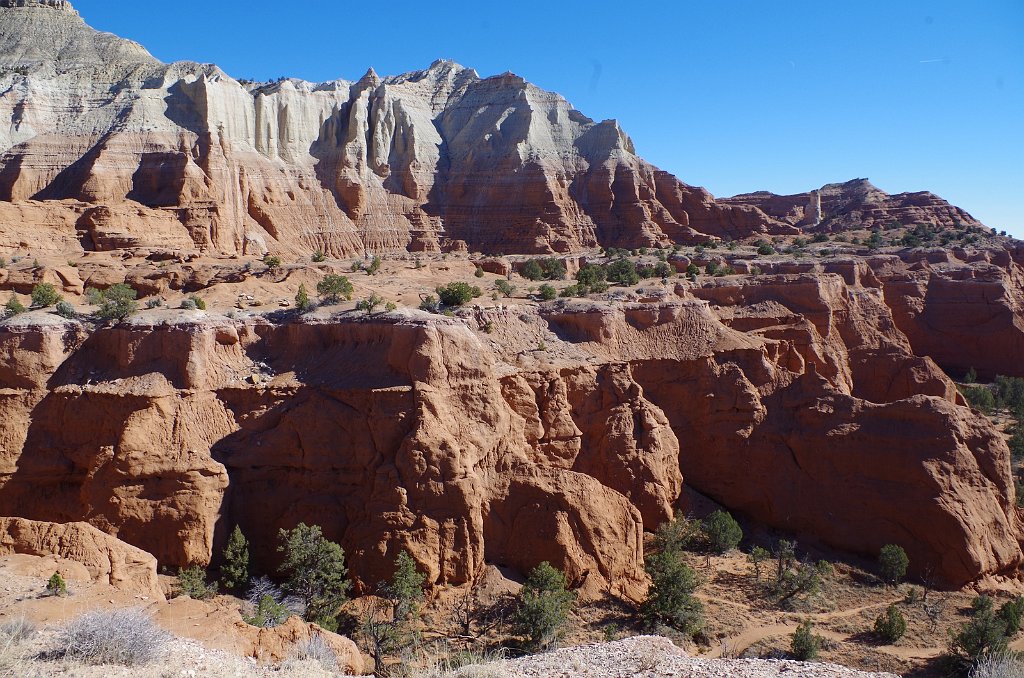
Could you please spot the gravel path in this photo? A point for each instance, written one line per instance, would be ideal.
(655, 657)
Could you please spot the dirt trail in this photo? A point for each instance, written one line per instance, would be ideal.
(736, 644)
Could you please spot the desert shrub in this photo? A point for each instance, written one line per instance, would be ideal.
(979, 397)
(670, 598)
(319, 257)
(457, 293)
(479, 273)
(374, 266)
(430, 304)
(1009, 392)
(592, 277)
(390, 306)
(316, 649)
(65, 310)
(117, 302)
(192, 583)
(188, 305)
(805, 645)
(272, 262)
(892, 564)
(542, 607)
(18, 629)
(369, 303)
(1012, 612)
(333, 288)
(128, 637)
(547, 292)
(506, 288)
(234, 572)
(531, 270)
(758, 555)
(14, 307)
(198, 301)
(971, 376)
(722, 532)
(1000, 665)
(765, 249)
(985, 634)
(405, 590)
(44, 295)
(315, 571)
(302, 301)
(154, 303)
(56, 586)
(268, 614)
(677, 534)
(622, 272)
(891, 625)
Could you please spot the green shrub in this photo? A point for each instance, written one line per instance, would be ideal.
(198, 301)
(670, 598)
(369, 303)
(65, 310)
(985, 634)
(234, 572)
(543, 607)
(457, 293)
(315, 571)
(302, 301)
(192, 583)
(374, 266)
(892, 563)
(117, 302)
(272, 262)
(479, 273)
(333, 288)
(45, 295)
(56, 586)
(692, 271)
(14, 307)
(430, 304)
(269, 613)
(1012, 612)
(722, 531)
(319, 257)
(531, 270)
(805, 645)
(622, 272)
(758, 555)
(405, 590)
(547, 292)
(979, 397)
(506, 288)
(188, 304)
(592, 278)
(890, 625)
(765, 249)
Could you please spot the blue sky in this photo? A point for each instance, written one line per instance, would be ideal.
(733, 95)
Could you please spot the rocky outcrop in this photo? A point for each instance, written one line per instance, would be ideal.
(104, 145)
(855, 205)
(108, 560)
(410, 431)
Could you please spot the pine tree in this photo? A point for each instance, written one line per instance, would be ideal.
(234, 573)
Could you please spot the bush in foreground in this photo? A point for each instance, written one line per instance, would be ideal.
(805, 645)
(128, 637)
(722, 531)
(44, 295)
(892, 564)
(1002, 665)
(891, 625)
(543, 607)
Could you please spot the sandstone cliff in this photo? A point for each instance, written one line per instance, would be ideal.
(103, 146)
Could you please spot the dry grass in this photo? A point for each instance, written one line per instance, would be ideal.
(999, 666)
(128, 637)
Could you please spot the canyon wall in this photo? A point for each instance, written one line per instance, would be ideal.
(797, 402)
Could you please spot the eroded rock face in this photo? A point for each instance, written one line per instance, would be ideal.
(108, 560)
(124, 151)
(412, 431)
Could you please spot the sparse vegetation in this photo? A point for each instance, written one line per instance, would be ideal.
(333, 288)
(45, 295)
(234, 572)
(65, 310)
(891, 625)
(56, 586)
(128, 637)
(117, 302)
(547, 292)
(302, 300)
(805, 645)
(192, 583)
(315, 571)
(370, 303)
(892, 564)
(374, 266)
(542, 607)
(271, 262)
(506, 288)
(457, 293)
(722, 532)
(319, 257)
(14, 307)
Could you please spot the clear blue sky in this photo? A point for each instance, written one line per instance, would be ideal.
(735, 95)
